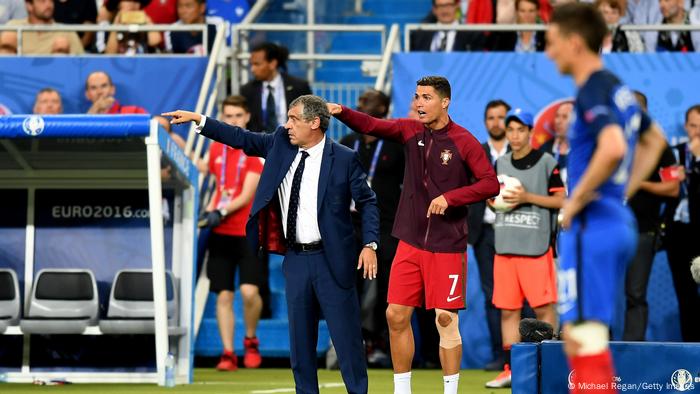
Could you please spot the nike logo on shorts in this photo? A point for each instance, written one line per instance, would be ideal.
(420, 143)
(450, 299)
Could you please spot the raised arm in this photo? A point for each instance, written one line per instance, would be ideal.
(365, 124)
(253, 144)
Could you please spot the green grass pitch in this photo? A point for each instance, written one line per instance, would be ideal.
(272, 381)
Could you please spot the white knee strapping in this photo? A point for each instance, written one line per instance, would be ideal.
(449, 335)
(592, 336)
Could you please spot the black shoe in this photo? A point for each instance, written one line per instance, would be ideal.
(494, 366)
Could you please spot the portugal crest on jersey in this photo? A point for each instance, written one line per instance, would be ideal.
(445, 156)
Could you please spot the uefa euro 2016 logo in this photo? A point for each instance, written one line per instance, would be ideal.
(682, 380)
(33, 125)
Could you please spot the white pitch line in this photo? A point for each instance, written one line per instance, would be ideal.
(291, 390)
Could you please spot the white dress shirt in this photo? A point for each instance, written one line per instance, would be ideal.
(307, 216)
(437, 38)
(280, 98)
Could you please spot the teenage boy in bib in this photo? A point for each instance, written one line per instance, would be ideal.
(524, 262)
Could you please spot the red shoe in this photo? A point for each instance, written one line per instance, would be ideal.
(252, 357)
(227, 363)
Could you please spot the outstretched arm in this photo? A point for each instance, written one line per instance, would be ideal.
(253, 144)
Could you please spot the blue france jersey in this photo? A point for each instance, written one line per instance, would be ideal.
(602, 101)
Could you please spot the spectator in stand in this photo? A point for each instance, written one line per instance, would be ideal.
(645, 12)
(618, 41)
(48, 102)
(674, 13)
(77, 12)
(384, 162)
(192, 12)
(445, 14)
(237, 176)
(100, 91)
(481, 234)
(526, 12)
(40, 12)
(559, 145)
(663, 185)
(126, 12)
(681, 238)
(270, 94)
(12, 9)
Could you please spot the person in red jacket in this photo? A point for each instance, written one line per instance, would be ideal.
(446, 169)
(100, 91)
(237, 176)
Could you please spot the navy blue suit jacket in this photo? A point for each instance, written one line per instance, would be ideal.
(341, 179)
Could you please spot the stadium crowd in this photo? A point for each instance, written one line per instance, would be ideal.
(444, 13)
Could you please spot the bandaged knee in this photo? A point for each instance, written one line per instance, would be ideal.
(449, 332)
(593, 337)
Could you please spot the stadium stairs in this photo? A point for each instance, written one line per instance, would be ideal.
(384, 12)
(273, 333)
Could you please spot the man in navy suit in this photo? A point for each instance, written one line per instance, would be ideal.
(302, 210)
(273, 89)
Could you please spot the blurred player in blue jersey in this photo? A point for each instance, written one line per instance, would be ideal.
(599, 236)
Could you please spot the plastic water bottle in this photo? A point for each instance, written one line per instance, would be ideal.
(170, 370)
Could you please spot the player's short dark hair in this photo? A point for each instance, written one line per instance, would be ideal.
(440, 84)
(273, 52)
(694, 108)
(235, 101)
(496, 103)
(582, 19)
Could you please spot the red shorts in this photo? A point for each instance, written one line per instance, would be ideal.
(436, 279)
(516, 278)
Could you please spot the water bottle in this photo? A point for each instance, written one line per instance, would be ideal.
(170, 370)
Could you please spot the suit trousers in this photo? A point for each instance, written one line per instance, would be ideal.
(636, 282)
(484, 251)
(312, 290)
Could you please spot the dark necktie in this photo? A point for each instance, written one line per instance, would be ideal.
(271, 110)
(294, 200)
(443, 41)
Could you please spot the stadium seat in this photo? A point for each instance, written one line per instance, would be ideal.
(9, 299)
(62, 301)
(131, 310)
